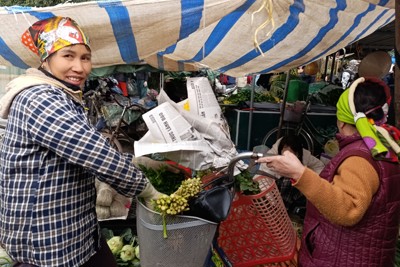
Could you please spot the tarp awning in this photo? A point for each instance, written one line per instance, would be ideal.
(215, 34)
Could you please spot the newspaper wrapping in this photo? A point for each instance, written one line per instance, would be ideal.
(193, 132)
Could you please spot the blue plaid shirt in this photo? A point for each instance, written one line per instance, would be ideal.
(49, 158)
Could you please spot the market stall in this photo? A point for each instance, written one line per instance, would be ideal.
(175, 35)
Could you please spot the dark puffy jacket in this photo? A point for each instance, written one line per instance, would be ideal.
(372, 241)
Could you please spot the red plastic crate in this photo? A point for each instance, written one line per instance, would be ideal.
(258, 229)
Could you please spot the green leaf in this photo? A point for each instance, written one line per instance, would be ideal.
(107, 233)
(163, 180)
(244, 183)
(127, 234)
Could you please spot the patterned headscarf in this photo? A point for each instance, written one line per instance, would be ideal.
(47, 36)
(382, 140)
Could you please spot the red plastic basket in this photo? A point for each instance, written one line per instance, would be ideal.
(258, 229)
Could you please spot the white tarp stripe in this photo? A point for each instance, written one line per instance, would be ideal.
(122, 29)
(333, 24)
(19, 22)
(218, 34)
(188, 47)
(166, 63)
(237, 32)
(207, 45)
(203, 43)
(382, 20)
(384, 3)
(371, 20)
(6, 51)
(220, 31)
(191, 15)
(100, 30)
(290, 29)
(153, 30)
(230, 33)
(8, 55)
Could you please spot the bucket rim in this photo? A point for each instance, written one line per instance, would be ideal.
(180, 216)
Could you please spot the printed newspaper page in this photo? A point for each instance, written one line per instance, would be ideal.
(193, 132)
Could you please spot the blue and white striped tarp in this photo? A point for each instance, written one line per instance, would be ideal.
(216, 34)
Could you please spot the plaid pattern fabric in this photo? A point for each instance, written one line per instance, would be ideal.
(48, 162)
(291, 196)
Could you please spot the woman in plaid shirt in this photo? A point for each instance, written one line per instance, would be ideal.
(50, 156)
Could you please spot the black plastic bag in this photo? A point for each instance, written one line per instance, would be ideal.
(214, 202)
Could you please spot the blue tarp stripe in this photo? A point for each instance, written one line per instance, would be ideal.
(279, 35)
(372, 24)
(169, 50)
(27, 9)
(5, 51)
(383, 2)
(356, 23)
(11, 57)
(160, 62)
(123, 33)
(220, 31)
(23, 9)
(321, 34)
(191, 14)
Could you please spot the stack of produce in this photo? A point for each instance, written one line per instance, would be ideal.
(125, 247)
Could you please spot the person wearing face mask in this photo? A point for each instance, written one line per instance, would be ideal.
(51, 155)
(353, 205)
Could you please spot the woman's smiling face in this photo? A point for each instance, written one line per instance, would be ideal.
(71, 64)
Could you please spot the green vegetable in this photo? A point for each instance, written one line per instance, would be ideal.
(137, 254)
(245, 95)
(216, 259)
(124, 247)
(5, 260)
(127, 253)
(115, 244)
(245, 184)
(136, 263)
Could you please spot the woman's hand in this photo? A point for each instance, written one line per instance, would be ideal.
(287, 165)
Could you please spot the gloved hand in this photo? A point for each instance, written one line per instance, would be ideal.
(148, 194)
(154, 164)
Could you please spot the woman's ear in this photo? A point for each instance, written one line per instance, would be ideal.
(44, 65)
(340, 124)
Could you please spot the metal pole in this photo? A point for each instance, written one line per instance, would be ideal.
(249, 130)
(162, 81)
(285, 92)
(332, 67)
(326, 67)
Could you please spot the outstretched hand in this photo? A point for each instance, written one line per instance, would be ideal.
(287, 165)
